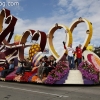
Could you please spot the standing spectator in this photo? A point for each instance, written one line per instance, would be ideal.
(75, 54)
(70, 55)
(79, 54)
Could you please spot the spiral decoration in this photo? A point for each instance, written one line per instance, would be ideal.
(33, 50)
(92, 58)
(6, 34)
(96, 62)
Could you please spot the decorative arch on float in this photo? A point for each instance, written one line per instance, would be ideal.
(50, 38)
(89, 30)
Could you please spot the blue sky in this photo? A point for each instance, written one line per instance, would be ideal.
(43, 14)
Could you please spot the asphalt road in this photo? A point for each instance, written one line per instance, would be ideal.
(19, 91)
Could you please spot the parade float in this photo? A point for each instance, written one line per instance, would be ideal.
(86, 73)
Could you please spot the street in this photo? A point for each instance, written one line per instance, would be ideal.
(22, 91)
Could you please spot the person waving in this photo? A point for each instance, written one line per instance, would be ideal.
(70, 55)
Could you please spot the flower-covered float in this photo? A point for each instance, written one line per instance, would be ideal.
(89, 73)
(59, 74)
(90, 68)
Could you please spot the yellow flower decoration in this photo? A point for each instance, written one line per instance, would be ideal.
(33, 50)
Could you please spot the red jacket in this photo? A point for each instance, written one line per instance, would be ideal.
(78, 53)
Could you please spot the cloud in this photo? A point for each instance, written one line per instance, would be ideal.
(79, 33)
(42, 25)
(65, 12)
(86, 9)
(63, 3)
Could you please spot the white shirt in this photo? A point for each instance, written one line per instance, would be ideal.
(70, 51)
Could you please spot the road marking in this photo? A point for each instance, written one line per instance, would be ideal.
(58, 95)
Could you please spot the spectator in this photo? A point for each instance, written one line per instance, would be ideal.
(70, 55)
(5, 72)
(75, 53)
(20, 69)
(40, 68)
(79, 54)
(26, 65)
(52, 64)
(6, 65)
(43, 67)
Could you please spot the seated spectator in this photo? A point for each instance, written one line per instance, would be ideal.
(20, 69)
(46, 66)
(5, 65)
(28, 65)
(40, 68)
(5, 72)
(25, 65)
(43, 67)
(11, 65)
(52, 64)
